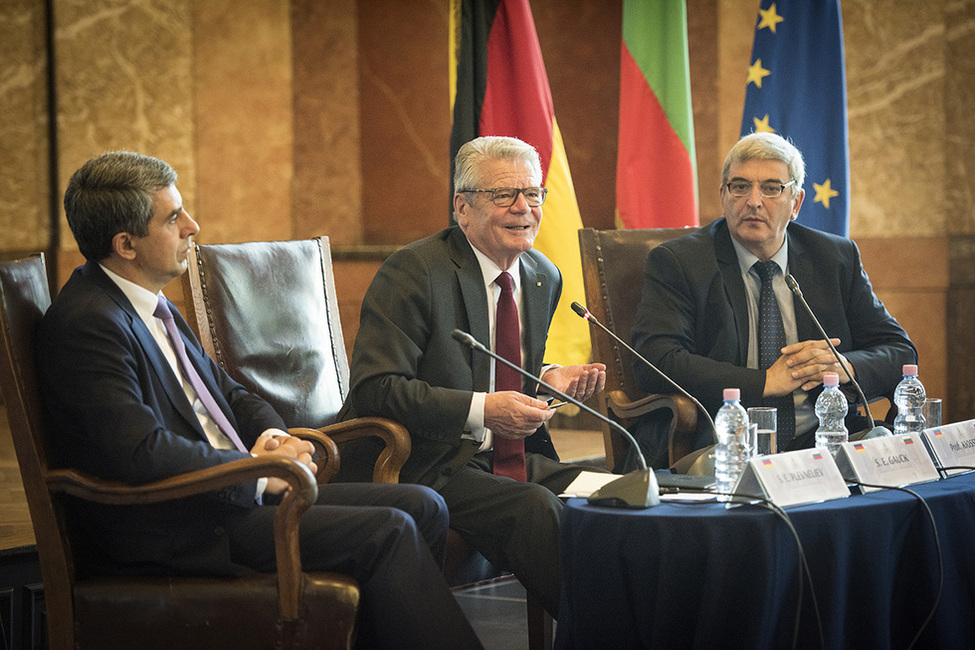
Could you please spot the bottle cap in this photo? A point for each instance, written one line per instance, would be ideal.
(831, 379)
(732, 394)
(910, 370)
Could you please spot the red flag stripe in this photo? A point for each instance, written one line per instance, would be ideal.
(655, 177)
(517, 85)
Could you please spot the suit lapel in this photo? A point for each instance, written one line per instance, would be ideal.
(471, 282)
(534, 291)
(157, 360)
(802, 268)
(733, 284)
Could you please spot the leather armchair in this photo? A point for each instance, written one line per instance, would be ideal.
(286, 609)
(612, 264)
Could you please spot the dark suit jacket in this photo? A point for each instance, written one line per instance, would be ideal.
(407, 366)
(114, 408)
(692, 320)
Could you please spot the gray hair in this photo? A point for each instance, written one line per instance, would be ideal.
(473, 154)
(111, 194)
(767, 146)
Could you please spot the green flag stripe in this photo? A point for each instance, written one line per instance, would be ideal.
(655, 33)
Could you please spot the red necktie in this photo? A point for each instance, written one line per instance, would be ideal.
(509, 455)
(191, 375)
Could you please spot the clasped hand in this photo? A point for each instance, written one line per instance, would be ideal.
(275, 442)
(802, 365)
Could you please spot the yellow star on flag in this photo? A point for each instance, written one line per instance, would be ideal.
(761, 125)
(756, 73)
(770, 18)
(824, 193)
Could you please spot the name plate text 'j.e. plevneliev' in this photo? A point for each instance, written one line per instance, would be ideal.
(952, 445)
(891, 461)
(793, 478)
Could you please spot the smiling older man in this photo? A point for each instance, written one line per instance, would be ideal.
(478, 431)
(698, 319)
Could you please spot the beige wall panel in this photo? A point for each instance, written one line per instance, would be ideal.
(243, 119)
(24, 192)
(405, 120)
(960, 117)
(123, 71)
(895, 62)
(327, 187)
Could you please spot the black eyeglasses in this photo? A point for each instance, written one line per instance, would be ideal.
(505, 197)
(768, 190)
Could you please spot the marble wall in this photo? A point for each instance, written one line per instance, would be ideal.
(292, 119)
(25, 208)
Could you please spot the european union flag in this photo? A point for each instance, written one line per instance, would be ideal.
(797, 88)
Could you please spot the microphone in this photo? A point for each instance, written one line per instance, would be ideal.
(585, 314)
(700, 462)
(871, 431)
(638, 489)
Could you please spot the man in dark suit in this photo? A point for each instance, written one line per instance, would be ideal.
(698, 317)
(120, 404)
(407, 366)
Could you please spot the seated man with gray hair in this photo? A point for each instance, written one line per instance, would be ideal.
(478, 430)
(716, 311)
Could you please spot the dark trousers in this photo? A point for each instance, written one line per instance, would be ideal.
(382, 535)
(514, 525)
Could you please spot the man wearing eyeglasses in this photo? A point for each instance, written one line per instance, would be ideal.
(478, 433)
(716, 311)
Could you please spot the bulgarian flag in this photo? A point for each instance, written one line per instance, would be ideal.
(498, 86)
(656, 169)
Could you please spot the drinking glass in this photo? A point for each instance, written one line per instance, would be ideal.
(932, 412)
(766, 419)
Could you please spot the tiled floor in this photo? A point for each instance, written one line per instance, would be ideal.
(497, 610)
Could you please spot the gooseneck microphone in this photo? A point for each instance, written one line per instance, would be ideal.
(871, 431)
(585, 314)
(638, 489)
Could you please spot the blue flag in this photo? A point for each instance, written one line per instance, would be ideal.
(797, 88)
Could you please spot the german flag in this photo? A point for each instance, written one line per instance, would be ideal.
(498, 86)
(656, 184)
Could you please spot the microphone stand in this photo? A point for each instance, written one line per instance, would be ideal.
(871, 431)
(587, 315)
(638, 489)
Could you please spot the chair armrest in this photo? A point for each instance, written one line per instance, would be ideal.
(303, 493)
(685, 412)
(397, 439)
(680, 437)
(327, 452)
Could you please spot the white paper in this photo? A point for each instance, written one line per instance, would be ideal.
(587, 483)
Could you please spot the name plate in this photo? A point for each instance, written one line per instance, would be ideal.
(892, 461)
(793, 478)
(952, 445)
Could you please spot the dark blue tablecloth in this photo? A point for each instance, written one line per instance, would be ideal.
(702, 575)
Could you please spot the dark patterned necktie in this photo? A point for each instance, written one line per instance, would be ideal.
(509, 454)
(771, 340)
(193, 377)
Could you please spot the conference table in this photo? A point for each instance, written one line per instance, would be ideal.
(681, 575)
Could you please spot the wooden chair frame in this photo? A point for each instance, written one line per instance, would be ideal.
(24, 297)
(612, 264)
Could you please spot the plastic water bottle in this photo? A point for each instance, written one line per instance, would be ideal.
(733, 449)
(909, 399)
(831, 408)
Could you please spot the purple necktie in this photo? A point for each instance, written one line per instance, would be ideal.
(509, 454)
(191, 375)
